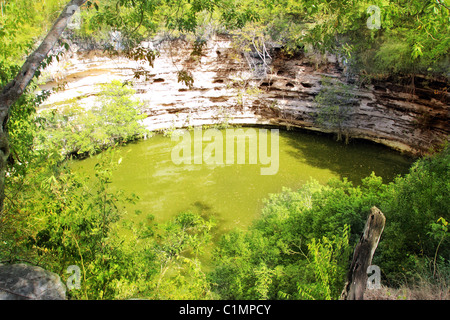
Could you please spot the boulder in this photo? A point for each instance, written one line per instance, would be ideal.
(25, 282)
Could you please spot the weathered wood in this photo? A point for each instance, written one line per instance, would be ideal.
(362, 256)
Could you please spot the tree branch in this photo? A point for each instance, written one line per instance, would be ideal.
(14, 89)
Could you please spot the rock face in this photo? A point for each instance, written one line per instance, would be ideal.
(407, 117)
(24, 282)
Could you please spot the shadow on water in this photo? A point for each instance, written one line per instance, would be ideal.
(346, 160)
(206, 211)
(202, 208)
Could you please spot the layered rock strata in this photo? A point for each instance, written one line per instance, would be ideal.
(226, 90)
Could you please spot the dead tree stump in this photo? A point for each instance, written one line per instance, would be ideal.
(362, 256)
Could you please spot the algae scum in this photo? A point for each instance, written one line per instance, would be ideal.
(234, 193)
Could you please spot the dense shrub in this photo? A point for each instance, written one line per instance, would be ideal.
(415, 203)
(300, 246)
(64, 219)
(114, 119)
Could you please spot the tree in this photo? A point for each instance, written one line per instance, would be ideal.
(336, 103)
(129, 17)
(15, 88)
(115, 118)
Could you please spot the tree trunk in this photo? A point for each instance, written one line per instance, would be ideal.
(14, 89)
(362, 256)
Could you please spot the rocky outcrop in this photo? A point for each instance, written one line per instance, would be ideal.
(24, 282)
(407, 117)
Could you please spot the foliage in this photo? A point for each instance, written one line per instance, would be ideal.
(285, 243)
(412, 37)
(252, 266)
(22, 23)
(114, 119)
(178, 245)
(185, 77)
(328, 260)
(300, 246)
(298, 249)
(416, 202)
(297, 239)
(336, 102)
(138, 20)
(67, 219)
(253, 42)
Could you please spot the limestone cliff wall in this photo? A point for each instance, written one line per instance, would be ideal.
(226, 90)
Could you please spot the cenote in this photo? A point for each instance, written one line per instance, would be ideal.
(233, 194)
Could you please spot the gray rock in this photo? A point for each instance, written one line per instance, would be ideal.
(25, 282)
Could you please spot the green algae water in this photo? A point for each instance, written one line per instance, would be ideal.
(233, 194)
